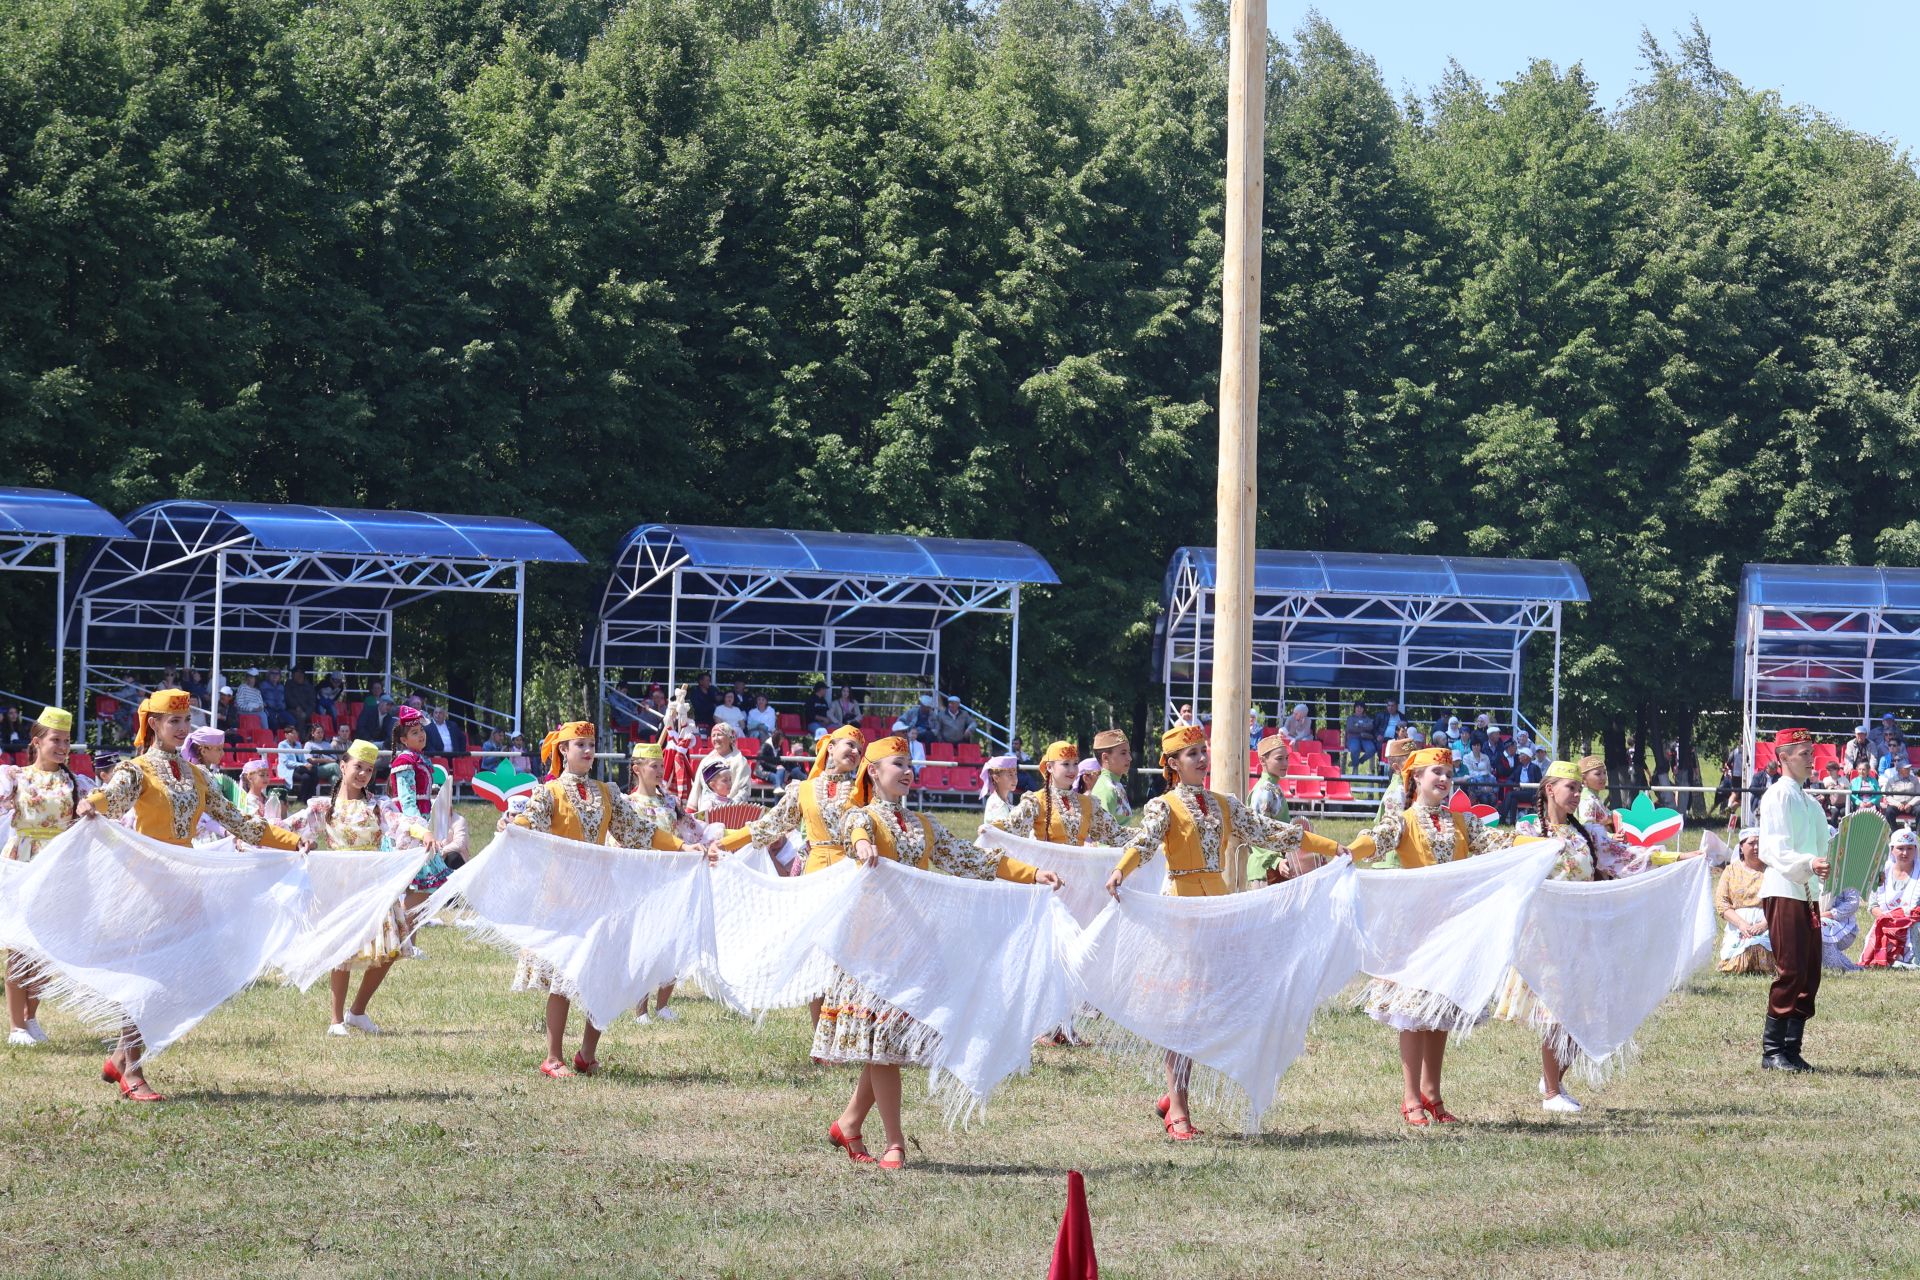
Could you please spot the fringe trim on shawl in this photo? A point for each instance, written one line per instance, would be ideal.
(1428, 1010)
(1207, 1089)
(106, 1018)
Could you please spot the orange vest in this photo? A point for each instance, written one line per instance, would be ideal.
(566, 819)
(1187, 874)
(1414, 850)
(1056, 832)
(885, 844)
(823, 848)
(153, 808)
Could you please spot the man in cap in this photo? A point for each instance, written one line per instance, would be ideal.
(1115, 756)
(1793, 848)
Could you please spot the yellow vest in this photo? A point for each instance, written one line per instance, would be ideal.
(153, 808)
(823, 849)
(1413, 849)
(1056, 831)
(566, 818)
(1187, 874)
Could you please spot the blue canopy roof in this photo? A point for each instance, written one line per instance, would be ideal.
(867, 581)
(1464, 645)
(49, 511)
(1831, 586)
(1354, 573)
(1824, 621)
(165, 565)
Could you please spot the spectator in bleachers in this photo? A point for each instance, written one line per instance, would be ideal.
(845, 709)
(1506, 758)
(817, 727)
(291, 759)
(1186, 716)
(325, 762)
(518, 759)
(227, 712)
(762, 720)
(653, 713)
(1888, 738)
(496, 740)
(768, 766)
(1900, 794)
(817, 702)
(1859, 749)
(1832, 792)
(1476, 769)
(1363, 742)
(916, 749)
(247, 700)
(728, 711)
(953, 725)
(327, 695)
(197, 689)
(726, 752)
(274, 695)
(445, 736)
(1392, 723)
(1299, 724)
(1525, 790)
(375, 722)
(376, 690)
(300, 701)
(1023, 765)
(15, 733)
(1864, 789)
(919, 717)
(997, 779)
(1764, 778)
(701, 700)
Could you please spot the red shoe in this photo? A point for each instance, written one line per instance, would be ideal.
(109, 1072)
(1415, 1115)
(1438, 1110)
(138, 1092)
(1190, 1134)
(888, 1160)
(839, 1139)
(558, 1070)
(582, 1067)
(1165, 1104)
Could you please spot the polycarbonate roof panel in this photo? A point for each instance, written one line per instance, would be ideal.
(1349, 573)
(877, 555)
(1829, 586)
(52, 512)
(350, 531)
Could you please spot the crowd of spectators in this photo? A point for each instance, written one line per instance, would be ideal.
(1871, 770)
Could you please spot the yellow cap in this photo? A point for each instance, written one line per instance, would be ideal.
(56, 718)
(363, 751)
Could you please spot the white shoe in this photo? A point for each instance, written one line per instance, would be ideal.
(1560, 1102)
(668, 1014)
(33, 1029)
(642, 1020)
(361, 1022)
(22, 1038)
(337, 1029)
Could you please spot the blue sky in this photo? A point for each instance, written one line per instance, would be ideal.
(1853, 59)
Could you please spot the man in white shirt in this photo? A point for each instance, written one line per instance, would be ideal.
(1793, 847)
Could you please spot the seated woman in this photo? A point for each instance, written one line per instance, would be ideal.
(1745, 947)
(1895, 907)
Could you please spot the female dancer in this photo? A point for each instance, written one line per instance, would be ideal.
(997, 777)
(1421, 835)
(1056, 813)
(167, 795)
(410, 782)
(254, 798)
(1204, 836)
(660, 809)
(817, 801)
(575, 807)
(352, 819)
(855, 1025)
(44, 799)
(1593, 790)
(1587, 852)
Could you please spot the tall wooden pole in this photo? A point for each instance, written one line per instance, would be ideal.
(1235, 491)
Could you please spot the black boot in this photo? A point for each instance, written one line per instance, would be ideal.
(1773, 1054)
(1790, 1044)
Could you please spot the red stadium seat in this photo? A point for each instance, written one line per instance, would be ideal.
(750, 746)
(1326, 768)
(251, 721)
(1315, 789)
(1289, 788)
(933, 778)
(1762, 754)
(969, 753)
(326, 724)
(789, 723)
(940, 751)
(103, 706)
(1339, 790)
(464, 767)
(964, 778)
(1331, 740)
(81, 763)
(1825, 751)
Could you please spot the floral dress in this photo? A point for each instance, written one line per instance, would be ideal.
(41, 802)
(1031, 818)
(855, 1024)
(358, 824)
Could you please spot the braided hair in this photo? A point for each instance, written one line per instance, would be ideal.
(39, 731)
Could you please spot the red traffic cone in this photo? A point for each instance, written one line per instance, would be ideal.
(1073, 1249)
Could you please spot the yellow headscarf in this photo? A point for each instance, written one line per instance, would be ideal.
(1420, 759)
(571, 731)
(1173, 742)
(161, 702)
(1059, 753)
(820, 752)
(884, 749)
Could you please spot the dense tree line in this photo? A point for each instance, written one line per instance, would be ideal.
(952, 268)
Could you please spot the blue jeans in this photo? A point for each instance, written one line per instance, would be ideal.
(1359, 751)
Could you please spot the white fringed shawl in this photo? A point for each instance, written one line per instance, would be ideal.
(1445, 935)
(344, 900)
(1601, 956)
(974, 961)
(1083, 869)
(1230, 982)
(613, 923)
(132, 930)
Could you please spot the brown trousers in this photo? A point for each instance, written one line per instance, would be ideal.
(1795, 930)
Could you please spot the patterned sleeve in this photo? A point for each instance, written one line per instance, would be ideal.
(1105, 831)
(776, 822)
(311, 821)
(1019, 820)
(628, 828)
(538, 815)
(1484, 839)
(253, 830)
(1614, 859)
(1150, 839)
(1277, 834)
(855, 824)
(122, 789)
(1380, 843)
(949, 853)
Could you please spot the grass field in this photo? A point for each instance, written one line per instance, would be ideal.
(699, 1151)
